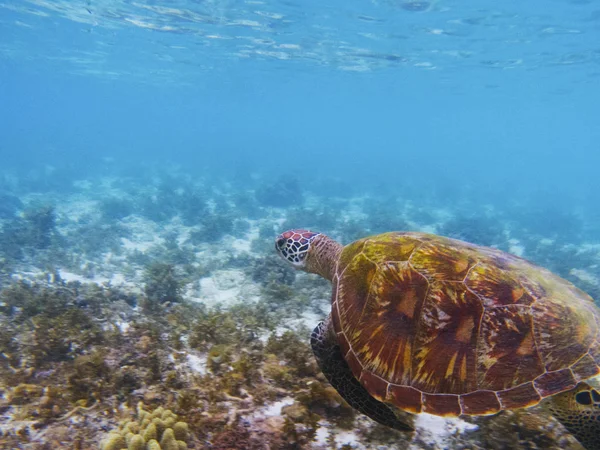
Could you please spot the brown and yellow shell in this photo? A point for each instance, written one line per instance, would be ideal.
(436, 325)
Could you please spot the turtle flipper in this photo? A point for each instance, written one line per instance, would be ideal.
(336, 370)
(579, 411)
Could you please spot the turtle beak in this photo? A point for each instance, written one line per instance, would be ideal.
(280, 245)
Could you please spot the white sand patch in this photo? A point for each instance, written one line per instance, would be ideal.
(589, 246)
(82, 185)
(28, 275)
(144, 234)
(515, 247)
(309, 319)
(142, 246)
(229, 279)
(442, 214)
(118, 279)
(211, 294)
(226, 287)
(122, 326)
(274, 409)
(345, 437)
(279, 222)
(428, 228)
(197, 363)
(585, 276)
(70, 276)
(322, 433)
(77, 209)
(437, 431)
(239, 246)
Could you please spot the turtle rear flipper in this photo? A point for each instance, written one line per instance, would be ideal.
(335, 368)
(579, 411)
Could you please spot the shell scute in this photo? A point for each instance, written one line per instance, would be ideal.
(437, 325)
(390, 247)
(507, 350)
(497, 287)
(349, 254)
(376, 386)
(480, 403)
(354, 364)
(441, 405)
(585, 368)
(353, 295)
(441, 261)
(554, 382)
(595, 352)
(564, 333)
(406, 398)
(445, 347)
(519, 397)
(388, 323)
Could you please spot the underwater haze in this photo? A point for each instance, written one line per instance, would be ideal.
(152, 151)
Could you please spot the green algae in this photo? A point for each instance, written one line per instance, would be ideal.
(104, 368)
(162, 284)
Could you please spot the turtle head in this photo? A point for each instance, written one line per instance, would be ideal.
(294, 245)
(309, 251)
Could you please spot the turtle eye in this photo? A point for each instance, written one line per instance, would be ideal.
(584, 398)
(280, 242)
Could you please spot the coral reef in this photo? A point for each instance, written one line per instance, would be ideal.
(523, 429)
(26, 236)
(352, 230)
(269, 269)
(383, 216)
(285, 191)
(173, 197)
(161, 283)
(104, 303)
(319, 218)
(246, 205)
(89, 243)
(476, 229)
(174, 253)
(213, 227)
(156, 430)
(9, 205)
(551, 221)
(115, 208)
(40, 226)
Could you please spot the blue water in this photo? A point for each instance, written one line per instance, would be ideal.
(503, 96)
(477, 120)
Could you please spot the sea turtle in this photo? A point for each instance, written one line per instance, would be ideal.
(424, 323)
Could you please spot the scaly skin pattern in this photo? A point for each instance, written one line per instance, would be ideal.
(293, 246)
(336, 370)
(579, 411)
(435, 325)
(323, 257)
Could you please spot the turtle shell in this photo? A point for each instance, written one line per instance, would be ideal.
(436, 325)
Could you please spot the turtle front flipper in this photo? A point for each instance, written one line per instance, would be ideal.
(579, 411)
(336, 370)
